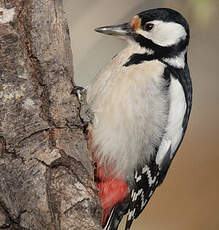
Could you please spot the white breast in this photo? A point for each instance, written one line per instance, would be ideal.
(130, 110)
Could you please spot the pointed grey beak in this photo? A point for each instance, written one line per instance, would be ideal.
(118, 30)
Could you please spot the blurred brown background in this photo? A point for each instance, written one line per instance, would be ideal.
(189, 197)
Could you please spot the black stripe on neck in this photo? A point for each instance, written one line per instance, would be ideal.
(160, 52)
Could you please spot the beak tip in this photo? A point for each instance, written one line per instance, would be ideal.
(99, 29)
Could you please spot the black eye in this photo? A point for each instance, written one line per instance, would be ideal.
(148, 26)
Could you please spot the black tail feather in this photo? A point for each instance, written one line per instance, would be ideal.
(116, 215)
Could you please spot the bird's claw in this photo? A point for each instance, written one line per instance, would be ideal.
(85, 113)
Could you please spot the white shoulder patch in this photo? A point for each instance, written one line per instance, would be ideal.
(163, 149)
(174, 128)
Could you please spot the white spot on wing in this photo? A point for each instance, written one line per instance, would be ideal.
(147, 170)
(137, 178)
(131, 214)
(143, 200)
(136, 194)
(6, 15)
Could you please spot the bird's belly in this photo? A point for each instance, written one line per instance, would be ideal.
(130, 117)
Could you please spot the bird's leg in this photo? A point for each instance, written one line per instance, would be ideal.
(85, 113)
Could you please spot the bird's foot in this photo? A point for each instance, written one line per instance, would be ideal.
(85, 113)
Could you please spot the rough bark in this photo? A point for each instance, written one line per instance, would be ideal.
(46, 179)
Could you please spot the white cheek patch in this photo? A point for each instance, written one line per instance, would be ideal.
(164, 33)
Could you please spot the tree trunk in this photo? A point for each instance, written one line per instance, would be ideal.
(46, 177)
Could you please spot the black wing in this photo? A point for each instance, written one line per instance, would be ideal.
(146, 181)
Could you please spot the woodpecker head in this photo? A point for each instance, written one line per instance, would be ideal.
(163, 32)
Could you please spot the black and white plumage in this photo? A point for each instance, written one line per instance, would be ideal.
(141, 103)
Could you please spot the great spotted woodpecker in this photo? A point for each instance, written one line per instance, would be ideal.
(141, 103)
